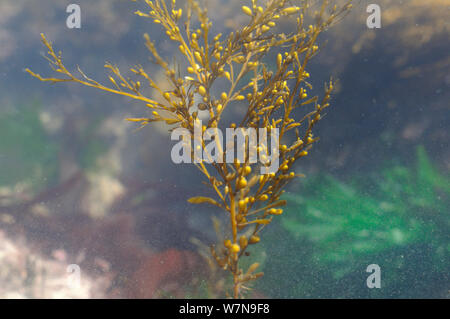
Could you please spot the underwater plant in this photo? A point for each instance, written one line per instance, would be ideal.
(397, 218)
(272, 99)
(27, 152)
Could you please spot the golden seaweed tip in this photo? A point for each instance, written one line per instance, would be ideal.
(247, 10)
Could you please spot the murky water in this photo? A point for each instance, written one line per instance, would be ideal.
(81, 186)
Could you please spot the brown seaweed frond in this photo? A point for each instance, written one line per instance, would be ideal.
(272, 96)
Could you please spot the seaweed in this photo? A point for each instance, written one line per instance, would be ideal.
(28, 154)
(338, 228)
(271, 99)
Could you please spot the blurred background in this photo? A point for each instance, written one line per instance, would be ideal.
(80, 185)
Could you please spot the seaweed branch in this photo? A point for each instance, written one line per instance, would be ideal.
(249, 199)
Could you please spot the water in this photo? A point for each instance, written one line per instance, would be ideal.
(80, 185)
